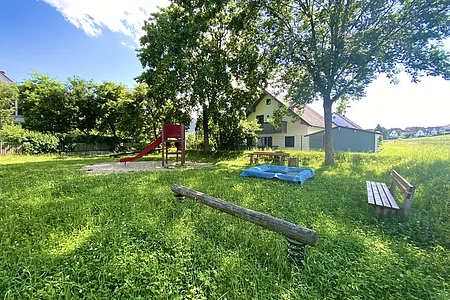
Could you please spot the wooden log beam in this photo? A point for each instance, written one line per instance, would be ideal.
(288, 229)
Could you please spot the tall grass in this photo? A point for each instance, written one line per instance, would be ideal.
(68, 234)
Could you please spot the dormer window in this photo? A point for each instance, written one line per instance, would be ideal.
(260, 119)
(268, 101)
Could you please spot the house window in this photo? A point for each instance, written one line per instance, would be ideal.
(289, 142)
(260, 119)
(268, 141)
(268, 101)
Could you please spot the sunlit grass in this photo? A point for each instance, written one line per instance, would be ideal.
(67, 234)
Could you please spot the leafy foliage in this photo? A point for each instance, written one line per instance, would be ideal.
(384, 131)
(330, 49)
(8, 94)
(46, 109)
(110, 97)
(81, 107)
(203, 55)
(87, 108)
(30, 142)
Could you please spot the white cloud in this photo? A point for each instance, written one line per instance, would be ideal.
(127, 45)
(121, 16)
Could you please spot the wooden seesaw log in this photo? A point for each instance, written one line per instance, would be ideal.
(288, 229)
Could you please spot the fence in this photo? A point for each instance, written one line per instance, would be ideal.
(79, 149)
(6, 149)
(98, 148)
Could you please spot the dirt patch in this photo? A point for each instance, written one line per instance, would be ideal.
(117, 167)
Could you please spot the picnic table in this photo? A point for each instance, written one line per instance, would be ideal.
(254, 156)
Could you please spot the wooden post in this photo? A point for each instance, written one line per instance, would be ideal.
(163, 144)
(289, 230)
(183, 145)
(293, 162)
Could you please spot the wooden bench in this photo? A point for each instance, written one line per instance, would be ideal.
(382, 198)
(254, 157)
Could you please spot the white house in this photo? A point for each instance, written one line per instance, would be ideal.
(18, 116)
(304, 129)
(293, 129)
(4, 78)
(419, 133)
(393, 134)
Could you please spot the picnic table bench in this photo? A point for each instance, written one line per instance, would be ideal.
(254, 156)
(382, 198)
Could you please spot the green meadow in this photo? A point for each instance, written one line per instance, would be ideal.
(67, 234)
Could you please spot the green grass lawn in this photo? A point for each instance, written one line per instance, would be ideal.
(68, 234)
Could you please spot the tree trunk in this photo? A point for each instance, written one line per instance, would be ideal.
(205, 129)
(328, 138)
(154, 131)
(113, 128)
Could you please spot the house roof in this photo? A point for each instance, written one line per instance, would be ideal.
(349, 121)
(413, 129)
(306, 113)
(343, 127)
(2, 74)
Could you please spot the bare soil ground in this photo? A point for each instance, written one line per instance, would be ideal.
(116, 167)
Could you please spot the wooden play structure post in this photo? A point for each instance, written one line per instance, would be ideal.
(173, 133)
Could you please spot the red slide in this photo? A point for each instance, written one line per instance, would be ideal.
(143, 152)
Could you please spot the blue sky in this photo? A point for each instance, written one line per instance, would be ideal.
(96, 39)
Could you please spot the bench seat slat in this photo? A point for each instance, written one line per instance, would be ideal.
(379, 195)
(390, 197)
(383, 195)
(370, 193)
(376, 194)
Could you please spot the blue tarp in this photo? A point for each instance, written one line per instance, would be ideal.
(280, 172)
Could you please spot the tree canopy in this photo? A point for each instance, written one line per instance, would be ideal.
(81, 106)
(202, 55)
(329, 49)
(46, 109)
(8, 94)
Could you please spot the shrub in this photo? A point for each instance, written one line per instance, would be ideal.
(194, 141)
(29, 142)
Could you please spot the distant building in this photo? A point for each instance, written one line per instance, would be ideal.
(415, 131)
(419, 133)
(445, 129)
(432, 131)
(393, 134)
(18, 116)
(342, 121)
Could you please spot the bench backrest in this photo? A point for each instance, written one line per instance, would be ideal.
(405, 187)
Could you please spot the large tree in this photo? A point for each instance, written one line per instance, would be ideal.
(335, 48)
(86, 110)
(8, 94)
(203, 55)
(109, 97)
(141, 115)
(46, 108)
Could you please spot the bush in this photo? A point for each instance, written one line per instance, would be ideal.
(194, 141)
(29, 142)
